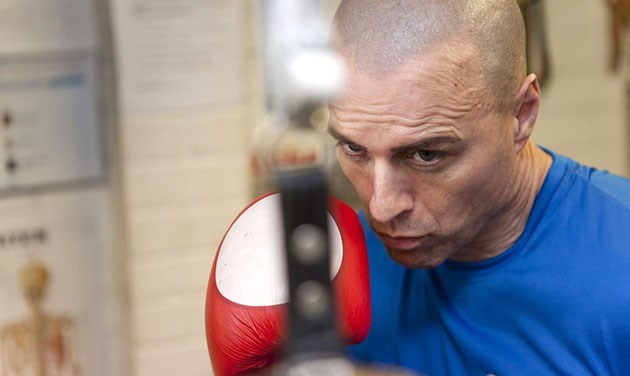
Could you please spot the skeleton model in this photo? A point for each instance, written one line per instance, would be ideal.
(42, 344)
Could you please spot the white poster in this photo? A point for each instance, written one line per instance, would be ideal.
(178, 54)
(67, 233)
(48, 119)
(28, 25)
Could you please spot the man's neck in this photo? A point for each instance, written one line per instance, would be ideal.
(504, 229)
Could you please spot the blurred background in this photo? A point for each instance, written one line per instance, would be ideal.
(126, 149)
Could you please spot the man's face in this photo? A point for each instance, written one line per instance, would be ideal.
(428, 152)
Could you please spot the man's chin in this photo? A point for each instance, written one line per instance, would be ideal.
(415, 259)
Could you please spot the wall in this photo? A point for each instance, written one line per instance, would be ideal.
(184, 163)
(583, 109)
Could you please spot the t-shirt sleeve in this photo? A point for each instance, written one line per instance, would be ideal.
(615, 186)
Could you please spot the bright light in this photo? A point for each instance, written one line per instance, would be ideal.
(316, 74)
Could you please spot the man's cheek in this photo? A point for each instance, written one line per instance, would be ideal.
(347, 171)
(359, 180)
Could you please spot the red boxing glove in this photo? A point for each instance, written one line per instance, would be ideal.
(246, 302)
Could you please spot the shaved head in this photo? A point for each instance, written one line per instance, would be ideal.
(379, 36)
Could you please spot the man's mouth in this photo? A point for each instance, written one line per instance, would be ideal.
(403, 243)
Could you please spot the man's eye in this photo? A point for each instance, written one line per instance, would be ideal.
(425, 156)
(352, 148)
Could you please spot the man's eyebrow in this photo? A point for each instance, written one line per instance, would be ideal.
(337, 136)
(431, 143)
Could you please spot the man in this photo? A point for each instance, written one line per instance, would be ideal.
(488, 254)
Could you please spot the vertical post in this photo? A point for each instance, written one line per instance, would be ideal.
(312, 326)
(301, 74)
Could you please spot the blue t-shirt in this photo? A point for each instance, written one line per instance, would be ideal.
(556, 303)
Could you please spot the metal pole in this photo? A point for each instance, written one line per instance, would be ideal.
(301, 74)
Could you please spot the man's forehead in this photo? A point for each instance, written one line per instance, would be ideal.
(453, 63)
(409, 99)
(439, 86)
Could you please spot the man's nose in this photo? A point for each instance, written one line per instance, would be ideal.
(391, 194)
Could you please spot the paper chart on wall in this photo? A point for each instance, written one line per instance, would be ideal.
(48, 120)
(178, 54)
(46, 25)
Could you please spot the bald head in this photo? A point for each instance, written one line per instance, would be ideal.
(379, 36)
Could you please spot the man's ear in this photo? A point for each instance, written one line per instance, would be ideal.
(526, 107)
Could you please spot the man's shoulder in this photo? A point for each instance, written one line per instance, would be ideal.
(614, 186)
(590, 209)
(611, 187)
